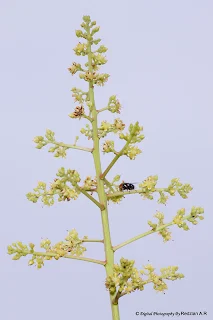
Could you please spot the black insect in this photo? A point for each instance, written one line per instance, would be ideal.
(126, 186)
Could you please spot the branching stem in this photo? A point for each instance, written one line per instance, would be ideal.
(71, 146)
(103, 109)
(92, 240)
(68, 256)
(124, 193)
(108, 184)
(146, 234)
(120, 153)
(87, 117)
(100, 205)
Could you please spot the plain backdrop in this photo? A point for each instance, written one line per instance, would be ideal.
(160, 62)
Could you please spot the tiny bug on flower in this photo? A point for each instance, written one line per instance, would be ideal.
(126, 186)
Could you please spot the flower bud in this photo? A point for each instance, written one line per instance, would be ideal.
(31, 262)
(78, 33)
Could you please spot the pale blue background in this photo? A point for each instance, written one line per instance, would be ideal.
(160, 61)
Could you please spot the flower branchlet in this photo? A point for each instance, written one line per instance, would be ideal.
(87, 25)
(97, 57)
(59, 149)
(177, 186)
(148, 187)
(165, 233)
(102, 49)
(20, 250)
(180, 220)
(97, 78)
(87, 131)
(134, 135)
(58, 187)
(113, 106)
(196, 213)
(75, 68)
(131, 138)
(81, 49)
(72, 245)
(108, 147)
(107, 127)
(163, 197)
(40, 140)
(79, 95)
(127, 279)
(90, 184)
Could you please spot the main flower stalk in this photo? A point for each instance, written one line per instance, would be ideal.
(109, 253)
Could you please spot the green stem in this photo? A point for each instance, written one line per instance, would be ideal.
(103, 109)
(100, 205)
(117, 194)
(89, 189)
(146, 234)
(120, 153)
(51, 254)
(109, 185)
(87, 117)
(70, 146)
(92, 240)
(119, 295)
(109, 254)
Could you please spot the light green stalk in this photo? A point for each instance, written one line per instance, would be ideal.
(101, 206)
(142, 235)
(68, 256)
(103, 175)
(71, 146)
(109, 253)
